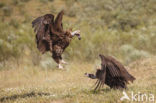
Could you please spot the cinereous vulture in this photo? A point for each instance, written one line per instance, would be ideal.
(50, 36)
(112, 73)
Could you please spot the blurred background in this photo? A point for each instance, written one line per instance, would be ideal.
(125, 29)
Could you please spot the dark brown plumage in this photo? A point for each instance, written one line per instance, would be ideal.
(50, 35)
(112, 73)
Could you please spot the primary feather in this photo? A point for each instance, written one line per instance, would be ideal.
(58, 22)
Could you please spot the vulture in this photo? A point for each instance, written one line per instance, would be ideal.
(112, 73)
(50, 36)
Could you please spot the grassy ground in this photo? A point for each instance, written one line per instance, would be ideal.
(26, 84)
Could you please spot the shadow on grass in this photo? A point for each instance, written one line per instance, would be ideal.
(17, 96)
(105, 90)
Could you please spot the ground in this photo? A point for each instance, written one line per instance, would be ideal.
(36, 85)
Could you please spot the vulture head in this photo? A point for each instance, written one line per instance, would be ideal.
(92, 76)
(76, 33)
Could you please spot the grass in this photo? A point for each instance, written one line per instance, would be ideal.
(30, 84)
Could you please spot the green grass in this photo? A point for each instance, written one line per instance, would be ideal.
(27, 84)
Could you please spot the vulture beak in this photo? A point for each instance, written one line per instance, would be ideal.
(76, 33)
(79, 37)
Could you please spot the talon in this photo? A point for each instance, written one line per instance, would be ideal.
(60, 66)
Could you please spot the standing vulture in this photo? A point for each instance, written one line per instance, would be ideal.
(50, 35)
(112, 73)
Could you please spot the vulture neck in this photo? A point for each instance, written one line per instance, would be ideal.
(74, 33)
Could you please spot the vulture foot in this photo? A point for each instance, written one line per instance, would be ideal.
(60, 66)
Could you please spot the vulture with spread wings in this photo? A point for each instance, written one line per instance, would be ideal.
(50, 35)
(112, 73)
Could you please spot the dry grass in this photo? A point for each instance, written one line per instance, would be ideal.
(35, 85)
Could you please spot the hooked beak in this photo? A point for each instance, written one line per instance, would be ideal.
(79, 37)
(76, 33)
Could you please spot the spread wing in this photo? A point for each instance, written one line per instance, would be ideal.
(58, 22)
(41, 29)
(123, 72)
(115, 68)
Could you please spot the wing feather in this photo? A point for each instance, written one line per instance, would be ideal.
(37, 23)
(110, 66)
(112, 69)
(58, 22)
(39, 29)
(116, 68)
(122, 69)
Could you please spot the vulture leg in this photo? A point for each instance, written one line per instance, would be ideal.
(57, 60)
(57, 51)
(62, 61)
